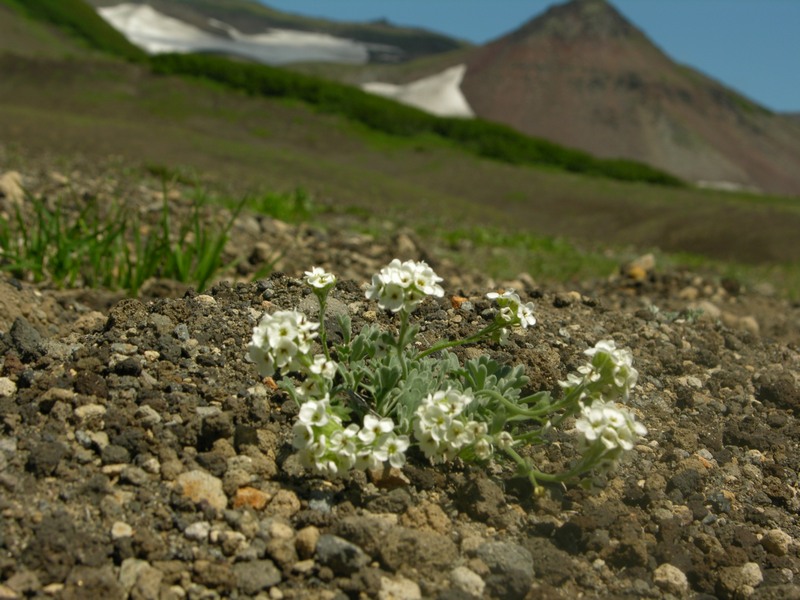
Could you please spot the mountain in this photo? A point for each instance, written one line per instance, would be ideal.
(581, 75)
(252, 30)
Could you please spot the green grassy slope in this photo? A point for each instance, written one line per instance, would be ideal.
(91, 110)
(82, 21)
(482, 138)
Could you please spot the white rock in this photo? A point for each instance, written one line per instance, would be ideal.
(90, 411)
(751, 574)
(200, 486)
(468, 581)
(399, 588)
(671, 579)
(7, 387)
(777, 542)
(198, 531)
(120, 530)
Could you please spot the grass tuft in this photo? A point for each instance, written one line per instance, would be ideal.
(112, 249)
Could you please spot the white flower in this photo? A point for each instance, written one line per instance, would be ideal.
(392, 448)
(319, 278)
(512, 310)
(303, 435)
(613, 427)
(440, 427)
(280, 340)
(314, 413)
(504, 440)
(401, 286)
(374, 428)
(323, 367)
(617, 361)
(483, 449)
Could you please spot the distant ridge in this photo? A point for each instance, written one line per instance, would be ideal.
(582, 75)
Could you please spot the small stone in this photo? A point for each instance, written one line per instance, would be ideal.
(90, 411)
(671, 579)
(777, 542)
(26, 340)
(255, 576)
(147, 416)
(252, 497)
(467, 581)
(399, 588)
(205, 299)
(511, 569)
(24, 582)
(200, 486)
(739, 582)
(198, 531)
(284, 504)
(7, 387)
(306, 541)
(341, 556)
(121, 530)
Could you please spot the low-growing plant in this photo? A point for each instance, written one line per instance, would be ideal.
(110, 249)
(290, 207)
(365, 401)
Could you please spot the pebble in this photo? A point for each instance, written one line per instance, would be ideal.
(741, 581)
(200, 486)
(198, 531)
(777, 542)
(467, 581)
(147, 416)
(399, 588)
(341, 556)
(255, 576)
(511, 568)
(250, 497)
(671, 579)
(7, 387)
(285, 504)
(90, 411)
(121, 530)
(306, 541)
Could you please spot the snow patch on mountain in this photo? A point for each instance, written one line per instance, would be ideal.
(438, 94)
(158, 33)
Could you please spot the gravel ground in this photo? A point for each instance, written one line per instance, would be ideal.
(142, 457)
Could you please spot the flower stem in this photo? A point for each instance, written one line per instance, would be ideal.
(486, 331)
(323, 334)
(401, 342)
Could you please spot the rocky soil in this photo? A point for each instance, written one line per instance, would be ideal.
(142, 457)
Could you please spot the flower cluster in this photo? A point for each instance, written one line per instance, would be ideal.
(386, 392)
(402, 286)
(607, 430)
(443, 430)
(609, 374)
(329, 448)
(512, 311)
(281, 341)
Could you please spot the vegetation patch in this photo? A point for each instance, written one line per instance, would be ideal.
(112, 249)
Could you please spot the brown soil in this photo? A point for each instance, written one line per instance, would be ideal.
(142, 457)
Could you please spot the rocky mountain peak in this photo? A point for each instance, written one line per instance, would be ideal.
(579, 20)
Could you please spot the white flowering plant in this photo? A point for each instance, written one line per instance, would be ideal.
(365, 402)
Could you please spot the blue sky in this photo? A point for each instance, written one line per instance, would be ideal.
(752, 46)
